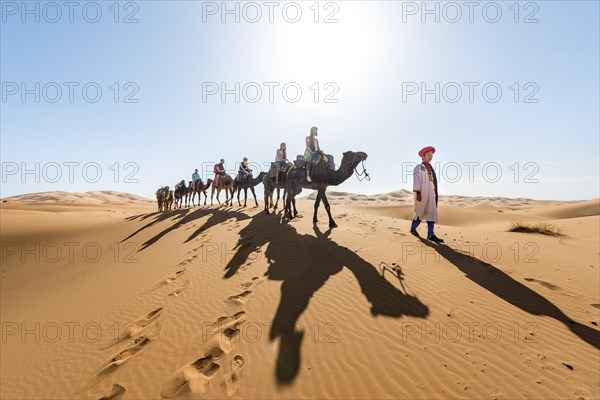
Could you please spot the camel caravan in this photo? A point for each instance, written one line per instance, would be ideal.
(314, 170)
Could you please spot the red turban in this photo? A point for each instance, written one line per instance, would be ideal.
(426, 150)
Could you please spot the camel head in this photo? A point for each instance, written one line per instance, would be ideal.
(352, 159)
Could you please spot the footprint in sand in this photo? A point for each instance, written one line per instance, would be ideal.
(185, 262)
(169, 279)
(117, 392)
(241, 298)
(148, 324)
(252, 283)
(174, 276)
(229, 321)
(179, 290)
(194, 377)
(124, 355)
(223, 342)
(231, 380)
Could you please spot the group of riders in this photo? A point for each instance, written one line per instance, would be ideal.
(278, 168)
(280, 164)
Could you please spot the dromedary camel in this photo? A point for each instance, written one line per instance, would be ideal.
(180, 193)
(270, 185)
(169, 200)
(162, 194)
(189, 193)
(245, 184)
(322, 177)
(199, 187)
(225, 183)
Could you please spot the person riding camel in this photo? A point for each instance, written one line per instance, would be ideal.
(312, 146)
(280, 160)
(244, 170)
(195, 176)
(219, 171)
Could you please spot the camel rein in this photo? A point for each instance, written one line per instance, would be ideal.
(361, 176)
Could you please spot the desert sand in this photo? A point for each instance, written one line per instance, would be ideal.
(103, 297)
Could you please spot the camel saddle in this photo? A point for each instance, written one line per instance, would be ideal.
(283, 168)
(300, 162)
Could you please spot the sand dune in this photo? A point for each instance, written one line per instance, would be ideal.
(102, 297)
(93, 197)
(580, 209)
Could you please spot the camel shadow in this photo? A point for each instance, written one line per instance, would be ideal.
(305, 263)
(185, 216)
(502, 285)
(157, 217)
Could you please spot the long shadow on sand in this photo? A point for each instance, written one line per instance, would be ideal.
(502, 285)
(304, 263)
(183, 217)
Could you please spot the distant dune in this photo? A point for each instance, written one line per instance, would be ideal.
(93, 197)
(406, 196)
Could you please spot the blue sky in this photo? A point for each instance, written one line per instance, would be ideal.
(541, 142)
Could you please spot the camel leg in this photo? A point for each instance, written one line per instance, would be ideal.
(289, 203)
(317, 203)
(266, 192)
(294, 204)
(287, 209)
(239, 192)
(332, 223)
(284, 195)
(254, 194)
(277, 201)
(245, 196)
